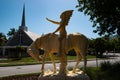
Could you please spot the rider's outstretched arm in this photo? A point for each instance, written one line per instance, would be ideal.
(55, 22)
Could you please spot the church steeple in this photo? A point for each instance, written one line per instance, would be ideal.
(23, 16)
(23, 26)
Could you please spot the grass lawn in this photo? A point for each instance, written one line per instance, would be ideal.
(30, 60)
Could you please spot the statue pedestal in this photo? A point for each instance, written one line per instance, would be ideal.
(69, 76)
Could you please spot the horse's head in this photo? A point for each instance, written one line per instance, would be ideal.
(33, 50)
(42, 42)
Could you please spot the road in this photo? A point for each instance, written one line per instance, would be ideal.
(15, 70)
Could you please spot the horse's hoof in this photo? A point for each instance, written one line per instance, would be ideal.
(54, 72)
(41, 75)
(73, 71)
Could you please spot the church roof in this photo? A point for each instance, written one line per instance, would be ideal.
(32, 35)
(22, 38)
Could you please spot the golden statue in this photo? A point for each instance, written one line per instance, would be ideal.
(52, 43)
(65, 17)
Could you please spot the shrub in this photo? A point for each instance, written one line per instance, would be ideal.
(106, 71)
(111, 70)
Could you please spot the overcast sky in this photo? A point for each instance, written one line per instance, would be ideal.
(36, 13)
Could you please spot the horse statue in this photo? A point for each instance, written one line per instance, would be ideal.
(50, 44)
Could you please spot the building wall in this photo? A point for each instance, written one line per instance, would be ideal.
(19, 39)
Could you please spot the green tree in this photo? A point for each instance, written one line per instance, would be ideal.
(115, 42)
(2, 39)
(105, 15)
(99, 46)
(107, 43)
(91, 48)
(11, 32)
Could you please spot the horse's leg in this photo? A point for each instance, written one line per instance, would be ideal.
(53, 61)
(79, 58)
(84, 56)
(85, 62)
(43, 62)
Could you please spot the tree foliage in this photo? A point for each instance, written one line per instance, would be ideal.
(11, 32)
(105, 15)
(103, 44)
(2, 39)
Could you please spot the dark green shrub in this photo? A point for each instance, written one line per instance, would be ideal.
(105, 65)
(106, 71)
(91, 72)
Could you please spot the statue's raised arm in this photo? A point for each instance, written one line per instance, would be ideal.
(55, 22)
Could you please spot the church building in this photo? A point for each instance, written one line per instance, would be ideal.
(17, 45)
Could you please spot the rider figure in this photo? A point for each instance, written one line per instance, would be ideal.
(65, 16)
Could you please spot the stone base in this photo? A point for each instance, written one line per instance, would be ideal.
(70, 76)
